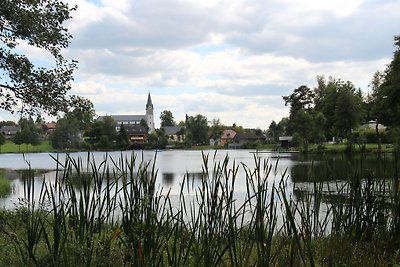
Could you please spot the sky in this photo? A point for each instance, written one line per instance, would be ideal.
(224, 59)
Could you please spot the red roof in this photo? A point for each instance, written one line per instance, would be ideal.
(228, 134)
(49, 126)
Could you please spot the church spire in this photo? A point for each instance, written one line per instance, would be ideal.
(149, 102)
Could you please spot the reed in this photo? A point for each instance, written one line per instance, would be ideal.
(5, 185)
(114, 214)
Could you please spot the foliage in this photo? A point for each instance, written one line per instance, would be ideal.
(67, 134)
(113, 214)
(167, 119)
(158, 139)
(196, 130)
(216, 129)
(29, 133)
(385, 96)
(104, 133)
(2, 140)
(36, 88)
(122, 138)
(5, 185)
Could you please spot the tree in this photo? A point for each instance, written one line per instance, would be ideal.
(67, 134)
(341, 105)
(216, 128)
(167, 119)
(122, 138)
(348, 110)
(36, 88)
(29, 134)
(104, 132)
(274, 131)
(386, 91)
(196, 130)
(300, 100)
(83, 116)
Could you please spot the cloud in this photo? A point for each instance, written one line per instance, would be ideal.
(232, 60)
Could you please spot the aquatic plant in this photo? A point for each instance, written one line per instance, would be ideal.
(114, 214)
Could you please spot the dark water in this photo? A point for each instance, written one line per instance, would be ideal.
(173, 165)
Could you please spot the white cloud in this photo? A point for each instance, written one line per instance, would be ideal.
(231, 60)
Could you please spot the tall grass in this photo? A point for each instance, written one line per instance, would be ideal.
(5, 185)
(114, 214)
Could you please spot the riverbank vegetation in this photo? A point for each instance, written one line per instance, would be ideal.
(335, 109)
(115, 214)
(5, 185)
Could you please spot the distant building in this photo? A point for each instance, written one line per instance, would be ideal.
(174, 133)
(372, 125)
(136, 119)
(227, 136)
(136, 132)
(286, 141)
(10, 131)
(48, 127)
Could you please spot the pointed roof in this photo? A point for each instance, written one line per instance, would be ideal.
(149, 102)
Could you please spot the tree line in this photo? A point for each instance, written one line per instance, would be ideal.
(334, 109)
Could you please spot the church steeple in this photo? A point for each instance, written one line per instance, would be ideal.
(149, 102)
(150, 114)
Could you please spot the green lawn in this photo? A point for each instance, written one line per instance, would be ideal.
(10, 147)
(385, 148)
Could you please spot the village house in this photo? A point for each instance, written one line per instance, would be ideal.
(10, 131)
(227, 136)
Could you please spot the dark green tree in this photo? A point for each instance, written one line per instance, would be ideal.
(197, 130)
(158, 139)
(104, 133)
(341, 105)
(29, 133)
(167, 119)
(274, 132)
(216, 128)
(67, 134)
(36, 88)
(348, 110)
(122, 138)
(386, 91)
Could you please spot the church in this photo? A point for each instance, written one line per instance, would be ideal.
(131, 120)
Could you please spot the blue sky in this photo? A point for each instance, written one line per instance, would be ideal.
(232, 60)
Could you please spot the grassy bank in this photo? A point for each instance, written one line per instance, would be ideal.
(114, 215)
(10, 147)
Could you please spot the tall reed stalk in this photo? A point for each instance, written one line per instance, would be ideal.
(116, 214)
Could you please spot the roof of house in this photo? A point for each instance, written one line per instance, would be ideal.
(248, 136)
(9, 129)
(133, 129)
(372, 125)
(171, 130)
(125, 118)
(228, 134)
(49, 126)
(286, 138)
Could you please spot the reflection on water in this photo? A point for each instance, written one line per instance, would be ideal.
(341, 167)
(173, 166)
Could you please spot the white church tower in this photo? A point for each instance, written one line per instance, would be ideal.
(150, 115)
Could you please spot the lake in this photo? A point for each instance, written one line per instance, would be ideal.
(173, 165)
